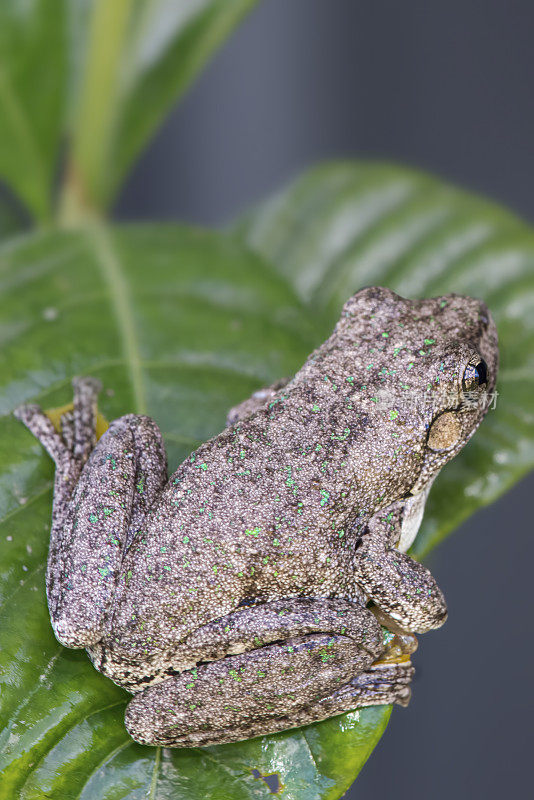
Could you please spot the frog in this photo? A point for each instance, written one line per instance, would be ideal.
(266, 583)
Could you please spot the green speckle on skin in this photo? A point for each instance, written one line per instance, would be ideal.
(253, 532)
(430, 341)
(393, 414)
(326, 656)
(93, 518)
(325, 496)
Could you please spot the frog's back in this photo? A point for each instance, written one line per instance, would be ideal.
(267, 509)
(240, 519)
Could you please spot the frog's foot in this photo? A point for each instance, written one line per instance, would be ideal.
(73, 439)
(42, 428)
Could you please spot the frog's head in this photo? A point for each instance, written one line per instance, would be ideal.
(458, 370)
(438, 361)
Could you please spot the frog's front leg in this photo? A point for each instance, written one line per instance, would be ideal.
(100, 499)
(304, 650)
(403, 589)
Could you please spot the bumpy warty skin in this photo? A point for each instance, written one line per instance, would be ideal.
(273, 506)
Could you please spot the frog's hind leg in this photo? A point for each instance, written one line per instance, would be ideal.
(384, 684)
(98, 506)
(120, 480)
(293, 680)
(69, 449)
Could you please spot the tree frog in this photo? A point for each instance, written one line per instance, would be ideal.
(251, 591)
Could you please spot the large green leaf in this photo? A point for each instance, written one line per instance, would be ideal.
(98, 76)
(346, 225)
(33, 76)
(182, 324)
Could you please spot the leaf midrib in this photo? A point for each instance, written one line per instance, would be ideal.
(107, 258)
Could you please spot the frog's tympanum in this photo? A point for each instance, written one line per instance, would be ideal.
(265, 584)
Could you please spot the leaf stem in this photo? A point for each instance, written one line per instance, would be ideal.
(85, 190)
(112, 271)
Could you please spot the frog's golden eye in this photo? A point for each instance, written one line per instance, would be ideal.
(475, 376)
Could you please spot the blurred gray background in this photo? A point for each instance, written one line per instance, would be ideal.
(446, 86)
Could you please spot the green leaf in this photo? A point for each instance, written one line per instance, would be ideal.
(98, 76)
(346, 225)
(12, 218)
(164, 47)
(182, 324)
(33, 75)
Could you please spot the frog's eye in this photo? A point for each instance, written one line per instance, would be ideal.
(475, 375)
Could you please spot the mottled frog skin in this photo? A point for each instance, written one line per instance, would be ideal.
(246, 594)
